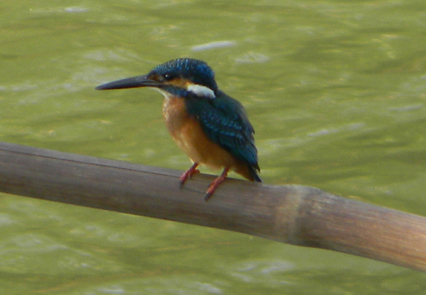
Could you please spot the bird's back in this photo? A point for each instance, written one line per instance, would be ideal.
(224, 122)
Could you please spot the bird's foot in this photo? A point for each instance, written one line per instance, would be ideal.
(188, 174)
(213, 186)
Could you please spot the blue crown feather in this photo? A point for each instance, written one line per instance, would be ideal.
(196, 71)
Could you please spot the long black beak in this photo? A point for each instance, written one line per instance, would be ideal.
(133, 82)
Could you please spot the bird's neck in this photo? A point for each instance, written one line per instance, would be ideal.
(174, 112)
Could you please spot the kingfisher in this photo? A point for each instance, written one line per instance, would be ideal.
(211, 127)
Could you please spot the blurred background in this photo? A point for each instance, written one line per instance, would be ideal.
(335, 91)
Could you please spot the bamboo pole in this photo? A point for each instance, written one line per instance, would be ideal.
(291, 214)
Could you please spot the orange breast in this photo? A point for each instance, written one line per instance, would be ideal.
(189, 136)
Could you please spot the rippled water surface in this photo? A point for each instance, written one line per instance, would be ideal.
(335, 90)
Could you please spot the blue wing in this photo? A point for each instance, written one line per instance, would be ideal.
(225, 122)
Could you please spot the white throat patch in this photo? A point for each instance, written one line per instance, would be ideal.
(201, 90)
(164, 93)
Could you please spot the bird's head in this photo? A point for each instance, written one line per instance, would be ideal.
(179, 77)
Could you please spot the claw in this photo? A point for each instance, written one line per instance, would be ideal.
(188, 174)
(213, 186)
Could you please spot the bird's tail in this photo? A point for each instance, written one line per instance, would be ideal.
(254, 174)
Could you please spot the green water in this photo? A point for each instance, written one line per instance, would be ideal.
(335, 90)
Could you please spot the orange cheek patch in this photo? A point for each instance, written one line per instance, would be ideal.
(179, 82)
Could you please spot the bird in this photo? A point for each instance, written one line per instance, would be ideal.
(210, 127)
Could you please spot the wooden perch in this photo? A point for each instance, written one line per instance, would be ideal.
(291, 214)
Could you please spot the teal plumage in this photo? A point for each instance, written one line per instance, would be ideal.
(225, 122)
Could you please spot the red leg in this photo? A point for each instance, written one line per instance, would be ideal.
(213, 186)
(191, 171)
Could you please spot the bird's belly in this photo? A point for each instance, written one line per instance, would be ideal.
(189, 136)
(200, 149)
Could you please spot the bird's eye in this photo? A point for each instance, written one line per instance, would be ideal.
(168, 76)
